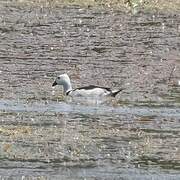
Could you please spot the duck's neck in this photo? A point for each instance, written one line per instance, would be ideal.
(67, 87)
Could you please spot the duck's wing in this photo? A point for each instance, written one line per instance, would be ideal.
(91, 87)
(90, 91)
(93, 90)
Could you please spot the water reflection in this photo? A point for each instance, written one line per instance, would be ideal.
(63, 107)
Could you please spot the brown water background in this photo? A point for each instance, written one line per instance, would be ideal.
(42, 136)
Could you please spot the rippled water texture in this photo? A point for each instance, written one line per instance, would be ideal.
(136, 136)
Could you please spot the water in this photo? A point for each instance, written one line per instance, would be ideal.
(135, 136)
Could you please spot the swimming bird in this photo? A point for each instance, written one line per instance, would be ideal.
(86, 91)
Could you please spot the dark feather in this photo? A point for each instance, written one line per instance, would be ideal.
(92, 87)
(113, 94)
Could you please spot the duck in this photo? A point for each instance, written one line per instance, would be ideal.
(86, 91)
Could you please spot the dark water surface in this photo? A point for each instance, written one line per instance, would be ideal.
(42, 136)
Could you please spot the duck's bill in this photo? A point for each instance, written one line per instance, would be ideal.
(54, 83)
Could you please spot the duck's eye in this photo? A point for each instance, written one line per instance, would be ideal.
(58, 77)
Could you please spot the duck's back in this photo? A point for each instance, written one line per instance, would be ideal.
(90, 91)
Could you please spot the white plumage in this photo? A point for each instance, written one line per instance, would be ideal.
(86, 91)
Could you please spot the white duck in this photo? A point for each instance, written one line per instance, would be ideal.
(87, 91)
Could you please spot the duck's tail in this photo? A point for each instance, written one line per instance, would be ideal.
(114, 93)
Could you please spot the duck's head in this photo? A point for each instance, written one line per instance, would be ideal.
(62, 79)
